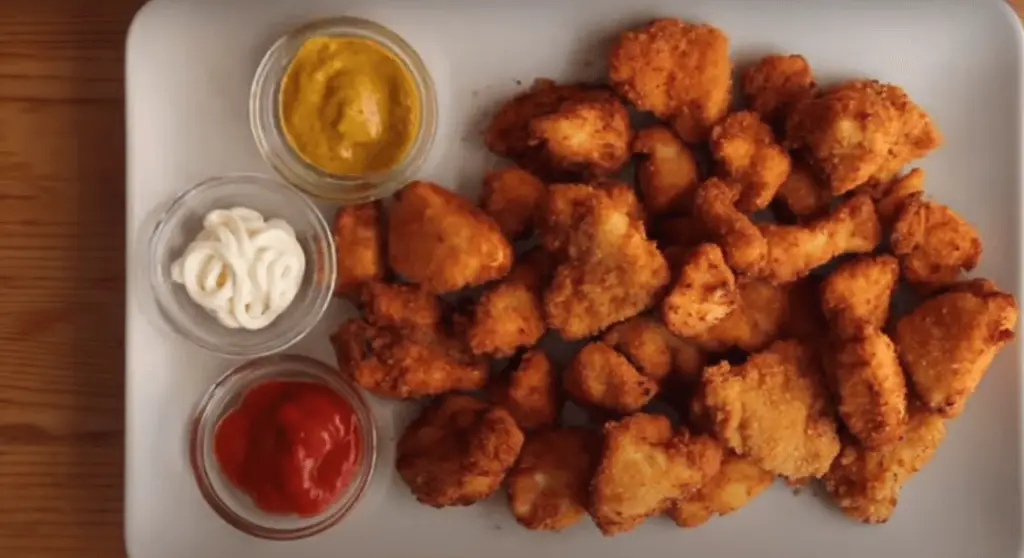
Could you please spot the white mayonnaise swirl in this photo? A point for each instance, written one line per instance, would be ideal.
(242, 269)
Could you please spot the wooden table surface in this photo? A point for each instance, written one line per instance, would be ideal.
(62, 277)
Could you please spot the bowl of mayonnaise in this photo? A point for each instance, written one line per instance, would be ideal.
(242, 265)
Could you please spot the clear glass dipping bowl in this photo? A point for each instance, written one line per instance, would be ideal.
(264, 115)
(178, 226)
(233, 505)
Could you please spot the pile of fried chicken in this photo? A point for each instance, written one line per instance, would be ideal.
(745, 283)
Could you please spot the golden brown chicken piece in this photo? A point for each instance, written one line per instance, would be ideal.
(890, 198)
(703, 294)
(567, 204)
(774, 409)
(406, 307)
(934, 244)
(737, 482)
(440, 240)
(759, 318)
(871, 389)
(947, 343)
(360, 247)
(796, 250)
(549, 487)
(655, 351)
(589, 136)
(599, 376)
(861, 131)
(679, 71)
(856, 296)
(612, 272)
(666, 173)
(801, 194)
(509, 314)
(512, 197)
(748, 155)
(531, 392)
(645, 468)
(458, 451)
(742, 243)
(865, 483)
(776, 84)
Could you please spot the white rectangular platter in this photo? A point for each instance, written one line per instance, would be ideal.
(189, 68)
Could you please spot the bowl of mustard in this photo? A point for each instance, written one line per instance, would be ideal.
(344, 109)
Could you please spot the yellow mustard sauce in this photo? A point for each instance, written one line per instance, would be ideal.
(349, 106)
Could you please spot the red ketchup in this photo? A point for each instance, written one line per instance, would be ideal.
(292, 446)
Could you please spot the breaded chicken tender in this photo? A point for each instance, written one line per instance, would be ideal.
(441, 241)
(612, 272)
(589, 137)
(512, 197)
(861, 131)
(737, 482)
(645, 468)
(531, 392)
(934, 244)
(947, 343)
(801, 194)
(774, 409)
(703, 294)
(871, 389)
(458, 451)
(666, 173)
(359, 243)
(567, 204)
(599, 376)
(866, 483)
(748, 155)
(509, 314)
(890, 198)
(549, 487)
(776, 84)
(742, 243)
(856, 296)
(655, 351)
(508, 134)
(679, 71)
(796, 250)
(760, 315)
(402, 306)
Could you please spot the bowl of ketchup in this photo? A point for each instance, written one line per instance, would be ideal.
(283, 447)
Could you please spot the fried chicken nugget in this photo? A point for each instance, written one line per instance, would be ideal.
(742, 243)
(890, 198)
(801, 194)
(871, 389)
(549, 487)
(704, 293)
(865, 483)
(589, 136)
(645, 468)
(512, 197)
(508, 134)
(401, 306)
(600, 377)
(747, 153)
(737, 482)
(655, 351)
(567, 204)
(861, 131)
(441, 241)
(458, 451)
(612, 272)
(796, 250)
(856, 296)
(531, 392)
(758, 319)
(774, 409)
(667, 172)
(359, 243)
(934, 244)
(947, 343)
(776, 84)
(679, 71)
(509, 314)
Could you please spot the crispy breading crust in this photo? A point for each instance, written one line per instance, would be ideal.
(549, 487)
(871, 389)
(934, 244)
(599, 376)
(359, 243)
(747, 153)
(891, 197)
(589, 136)
(531, 392)
(703, 295)
(666, 173)
(801, 194)
(856, 296)
(403, 306)
(512, 197)
(655, 351)
(742, 243)
(737, 482)
(776, 84)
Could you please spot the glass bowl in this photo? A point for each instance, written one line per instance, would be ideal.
(233, 505)
(264, 117)
(178, 226)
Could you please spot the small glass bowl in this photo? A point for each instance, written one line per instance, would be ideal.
(264, 116)
(183, 220)
(233, 505)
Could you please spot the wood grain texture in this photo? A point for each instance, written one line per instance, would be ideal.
(62, 277)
